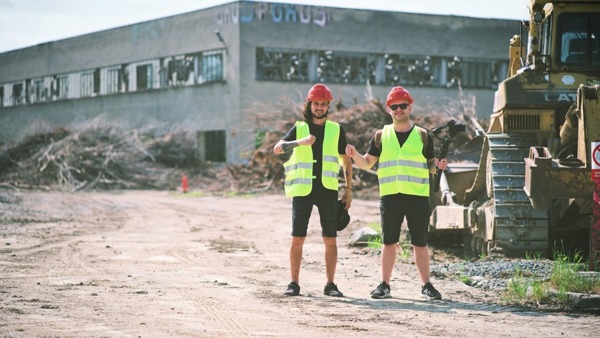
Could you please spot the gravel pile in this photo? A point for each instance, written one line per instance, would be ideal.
(492, 273)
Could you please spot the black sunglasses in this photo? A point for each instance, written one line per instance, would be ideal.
(401, 105)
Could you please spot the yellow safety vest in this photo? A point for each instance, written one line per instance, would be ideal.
(402, 169)
(299, 168)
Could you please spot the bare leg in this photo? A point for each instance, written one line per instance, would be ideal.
(330, 257)
(388, 259)
(422, 262)
(296, 257)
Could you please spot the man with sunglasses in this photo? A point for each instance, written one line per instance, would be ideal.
(406, 159)
(311, 178)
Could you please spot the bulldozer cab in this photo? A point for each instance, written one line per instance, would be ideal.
(569, 33)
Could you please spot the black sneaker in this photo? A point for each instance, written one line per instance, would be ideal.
(382, 291)
(429, 292)
(332, 290)
(293, 289)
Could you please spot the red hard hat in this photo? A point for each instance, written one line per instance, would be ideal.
(319, 92)
(398, 93)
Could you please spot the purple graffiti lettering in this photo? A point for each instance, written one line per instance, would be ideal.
(305, 12)
(320, 12)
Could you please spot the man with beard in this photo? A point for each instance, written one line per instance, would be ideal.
(406, 160)
(311, 179)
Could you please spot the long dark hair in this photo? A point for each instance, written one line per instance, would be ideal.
(307, 112)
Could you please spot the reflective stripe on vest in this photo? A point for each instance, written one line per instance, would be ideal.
(331, 157)
(402, 169)
(299, 168)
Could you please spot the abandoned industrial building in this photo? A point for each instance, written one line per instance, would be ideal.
(207, 70)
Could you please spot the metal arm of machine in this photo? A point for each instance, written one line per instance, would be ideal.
(453, 128)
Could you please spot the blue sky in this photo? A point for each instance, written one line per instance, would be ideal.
(25, 23)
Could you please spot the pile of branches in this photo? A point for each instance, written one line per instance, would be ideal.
(264, 170)
(360, 122)
(99, 155)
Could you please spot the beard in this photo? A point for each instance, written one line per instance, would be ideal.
(322, 116)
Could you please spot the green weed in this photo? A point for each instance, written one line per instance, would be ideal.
(375, 243)
(516, 287)
(566, 277)
(533, 255)
(466, 279)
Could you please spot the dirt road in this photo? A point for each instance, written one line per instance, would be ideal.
(161, 264)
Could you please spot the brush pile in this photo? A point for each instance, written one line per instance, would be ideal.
(98, 155)
(102, 156)
(360, 122)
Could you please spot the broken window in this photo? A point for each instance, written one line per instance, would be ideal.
(180, 70)
(212, 67)
(62, 87)
(96, 81)
(28, 91)
(281, 65)
(408, 70)
(112, 80)
(471, 73)
(341, 67)
(17, 94)
(477, 74)
(86, 84)
(37, 90)
(454, 72)
(124, 78)
(143, 77)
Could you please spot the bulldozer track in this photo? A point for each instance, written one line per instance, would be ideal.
(518, 227)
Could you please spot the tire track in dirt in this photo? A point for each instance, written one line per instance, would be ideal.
(216, 267)
(225, 320)
(188, 258)
(258, 283)
(71, 255)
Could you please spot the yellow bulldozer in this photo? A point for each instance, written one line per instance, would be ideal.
(531, 190)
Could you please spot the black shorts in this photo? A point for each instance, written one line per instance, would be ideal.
(394, 208)
(328, 212)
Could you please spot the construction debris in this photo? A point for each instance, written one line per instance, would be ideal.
(102, 156)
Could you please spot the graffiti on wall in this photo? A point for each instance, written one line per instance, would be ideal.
(244, 12)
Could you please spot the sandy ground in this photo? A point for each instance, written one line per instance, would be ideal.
(163, 264)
